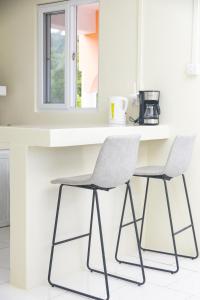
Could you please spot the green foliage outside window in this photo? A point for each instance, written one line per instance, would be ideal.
(79, 80)
(57, 68)
(58, 71)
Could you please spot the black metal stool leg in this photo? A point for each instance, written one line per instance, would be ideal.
(120, 226)
(102, 245)
(191, 218)
(171, 227)
(120, 277)
(95, 197)
(140, 240)
(137, 235)
(180, 231)
(144, 211)
(90, 232)
(128, 190)
(54, 235)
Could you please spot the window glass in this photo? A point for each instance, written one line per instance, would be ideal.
(55, 57)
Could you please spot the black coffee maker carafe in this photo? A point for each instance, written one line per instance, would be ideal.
(149, 107)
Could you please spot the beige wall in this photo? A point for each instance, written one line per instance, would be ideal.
(167, 51)
(18, 48)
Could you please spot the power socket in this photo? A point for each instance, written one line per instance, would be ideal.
(193, 69)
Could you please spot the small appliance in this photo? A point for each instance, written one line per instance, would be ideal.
(149, 107)
(117, 111)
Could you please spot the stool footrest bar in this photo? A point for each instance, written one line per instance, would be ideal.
(168, 253)
(71, 239)
(76, 292)
(147, 267)
(118, 277)
(132, 222)
(181, 230)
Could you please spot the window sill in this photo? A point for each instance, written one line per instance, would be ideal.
(66, 110)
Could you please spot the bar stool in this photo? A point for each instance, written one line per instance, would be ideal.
(114, 167)
(177, 163)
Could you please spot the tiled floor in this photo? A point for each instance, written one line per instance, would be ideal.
(160, 286)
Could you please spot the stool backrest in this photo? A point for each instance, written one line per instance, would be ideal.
(180, 156)
(116, 161)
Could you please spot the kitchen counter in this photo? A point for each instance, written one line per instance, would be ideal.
(38, 155)
(63, 137)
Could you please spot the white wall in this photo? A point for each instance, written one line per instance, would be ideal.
(167, 51)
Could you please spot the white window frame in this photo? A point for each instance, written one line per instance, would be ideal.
(70, 47)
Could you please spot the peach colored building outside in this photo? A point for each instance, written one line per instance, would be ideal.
(89, 52)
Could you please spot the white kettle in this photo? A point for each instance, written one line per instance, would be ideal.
(117, 112)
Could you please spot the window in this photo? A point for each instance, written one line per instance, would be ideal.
(68, 52)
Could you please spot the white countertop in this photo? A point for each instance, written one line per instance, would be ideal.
(74, 136)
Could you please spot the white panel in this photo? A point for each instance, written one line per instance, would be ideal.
(3, 90)
(4, 189)
(194, 67)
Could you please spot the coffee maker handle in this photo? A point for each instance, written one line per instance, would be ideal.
(158, 109)
(126, 103)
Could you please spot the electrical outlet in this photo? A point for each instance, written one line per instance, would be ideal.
(193, 69)
(134, 98)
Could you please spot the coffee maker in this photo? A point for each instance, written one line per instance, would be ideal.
(149, 107)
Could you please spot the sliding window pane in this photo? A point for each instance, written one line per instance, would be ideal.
(55, 58)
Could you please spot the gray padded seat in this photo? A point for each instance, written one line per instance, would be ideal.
(115, 164)
(178, 160)
(150, 171)
(75, 180)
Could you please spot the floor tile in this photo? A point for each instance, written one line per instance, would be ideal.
(7, 292)
(4, 245)
(155, 260)
(185, 285)
(90, 283)
(5, 258)
(5, 234)
(189, 282)
(4, 275)
(194, 298)
(45, 292)
(152, 276)
(127, 271)
(158, 258)
(147, 292)
(158, 278)
(190, 264)
(71, 296)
